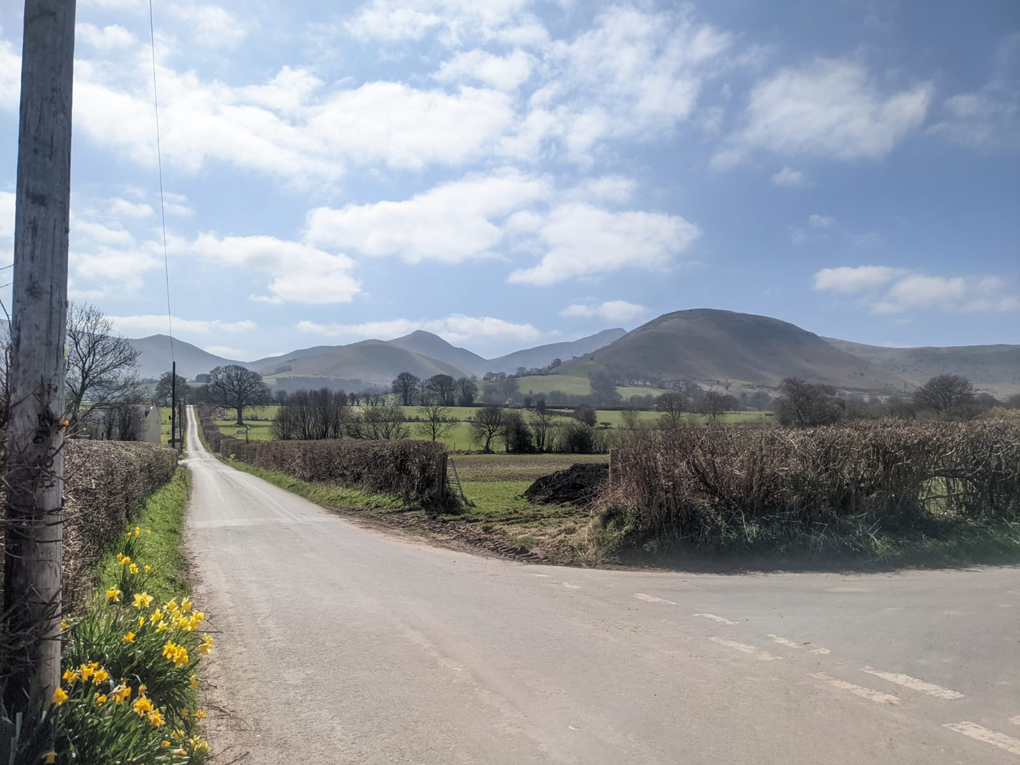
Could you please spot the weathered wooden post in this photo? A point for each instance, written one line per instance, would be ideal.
(35, 463)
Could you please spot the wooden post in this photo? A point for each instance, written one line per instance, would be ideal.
(35, 463)
(173, 405)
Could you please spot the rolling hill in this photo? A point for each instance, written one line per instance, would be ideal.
(543, 355)
(427, 344)
(992, 368)
(713, 345)
(368, 363)
(154, 358)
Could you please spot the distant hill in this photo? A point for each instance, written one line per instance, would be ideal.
(155, 357)
(992, 368)
(372, 362)
(707, 344)
(436, 347)
(269, 363)
(543, 355)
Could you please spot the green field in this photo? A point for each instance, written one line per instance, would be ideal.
(575, 385)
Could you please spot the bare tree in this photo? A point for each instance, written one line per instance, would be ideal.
(467, 391)
(99, 364)
(674, 404)
(384, 423)
(944, 392)
(803, 405)
(487, 425)
(434, 422)
(715, 403)
(542, 425)
(443, 389)
(235, 387)
(312, 415)
(405, 386)
(631, 418)
(164, 389)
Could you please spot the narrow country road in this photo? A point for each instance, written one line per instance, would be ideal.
(340, 644)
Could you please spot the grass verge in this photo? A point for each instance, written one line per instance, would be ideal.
(324, 494)
(163, 515)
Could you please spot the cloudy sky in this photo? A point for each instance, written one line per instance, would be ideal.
(511, 172)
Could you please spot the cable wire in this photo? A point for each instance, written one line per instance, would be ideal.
(162, 204)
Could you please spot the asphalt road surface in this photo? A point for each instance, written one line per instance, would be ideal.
(342, 644)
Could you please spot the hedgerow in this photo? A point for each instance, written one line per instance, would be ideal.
(708, 485)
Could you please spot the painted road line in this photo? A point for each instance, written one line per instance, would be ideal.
(914, 684)
(859, 690)
(821, 651)
(978, 733)
(756, 652)
(783, 641)
(570, 586)
(653, 599)
(1015, 719)
(715, 618)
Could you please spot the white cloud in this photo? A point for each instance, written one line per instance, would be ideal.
(501, 72)
(109, 38)
(455, 328)
(211, 25)
(452, 222)
(7, 207)
(789, 177)
(913, 291)
(989, 117)
(177, 204)
(850, 279)
(159, 323)
(830, 109)
(456, 20)
(581, 240)
(300, 273)
(605, 188)
(798, 236)
(122, 208)
(226, 352)
(612, 310)
(820, 221)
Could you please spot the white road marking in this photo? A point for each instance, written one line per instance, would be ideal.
(978, 733)
(822, 651)
(757, 652)
(543, 576)
(653, 599)
(859, 690)
(914, 684)
(570, 586)
(715, 618)
(1015, 719)
(783, 641)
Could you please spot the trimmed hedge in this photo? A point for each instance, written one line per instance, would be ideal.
(698, 483)
(414, 470)
(105, 482)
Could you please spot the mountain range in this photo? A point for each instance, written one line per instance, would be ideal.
(705, 345)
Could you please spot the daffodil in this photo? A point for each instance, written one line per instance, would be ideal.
(141, 622)
(148, 568)
(133, 568)
(142, 706)
(64, 626)
(100, 699)
(101, 676)
(59, 696)
(121, 694)
(142, 600)
(186, 604)
(156, 718)
(200, 714)
(49, 758)
(206, 645)
(194, 681)
(123, 561)
(86, 671)
(138, 531)
(70, 676)
(114, 594)
(148, 532)
(129, 638)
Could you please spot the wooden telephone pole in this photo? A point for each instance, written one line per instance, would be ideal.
(35, 464)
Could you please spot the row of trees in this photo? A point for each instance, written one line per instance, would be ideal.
(440, 389)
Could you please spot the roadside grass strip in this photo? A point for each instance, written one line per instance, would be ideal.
(914, 684)
(980, 733)
(858, 690)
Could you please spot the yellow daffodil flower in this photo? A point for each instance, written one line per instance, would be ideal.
(194, 681)
(200, 714)
(64, 626)
(101, 676)
(138, 531)
(122, 694)
(129, 638)
(133, 568)
(70, 676)
(100, 699)
(49, 758)
(142, 600)
(114, 594)
(148, 568)
(123, 561)
(142, 706)
(206, 645)
(148, 532)
(86, 671)
(59, 696)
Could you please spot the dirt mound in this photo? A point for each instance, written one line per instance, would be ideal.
(577, 485)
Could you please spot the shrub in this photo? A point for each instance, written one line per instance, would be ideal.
(414, 470)
(578, 438)
(711, 484)
(515, 434)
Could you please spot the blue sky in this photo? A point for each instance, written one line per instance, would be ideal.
(513, 172)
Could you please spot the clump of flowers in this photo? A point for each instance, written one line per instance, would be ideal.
(120, 709)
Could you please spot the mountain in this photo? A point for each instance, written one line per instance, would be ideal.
(368, 363)
(269, 363)
(436, 347)
(713, 345)
(992, 368)
(154, 358)
(543, 355)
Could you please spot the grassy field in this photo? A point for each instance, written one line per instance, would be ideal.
(258, 420)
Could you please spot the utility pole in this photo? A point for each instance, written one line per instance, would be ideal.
(173, 406)
(33, 517)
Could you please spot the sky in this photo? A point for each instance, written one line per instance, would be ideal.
(513, 172)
